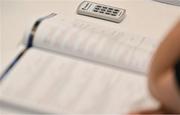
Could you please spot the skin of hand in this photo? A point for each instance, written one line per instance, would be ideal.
(162, 83)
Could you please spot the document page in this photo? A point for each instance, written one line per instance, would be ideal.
(61, 84)
(96, 43)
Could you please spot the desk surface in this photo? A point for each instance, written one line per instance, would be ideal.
(144, 17)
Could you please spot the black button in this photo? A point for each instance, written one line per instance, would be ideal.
(116, 10)
(101, 12)
(98, 6)
(102, 9)
(105, 7)
(113, 14)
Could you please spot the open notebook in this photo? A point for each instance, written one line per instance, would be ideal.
(72, 66)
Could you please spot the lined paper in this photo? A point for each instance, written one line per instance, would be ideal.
(63, 84)
(95, 43)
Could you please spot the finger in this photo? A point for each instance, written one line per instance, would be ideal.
(149, 111)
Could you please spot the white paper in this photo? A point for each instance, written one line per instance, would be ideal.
(62, 84)
(96, 43)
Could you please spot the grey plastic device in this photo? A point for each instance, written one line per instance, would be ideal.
(101, 11)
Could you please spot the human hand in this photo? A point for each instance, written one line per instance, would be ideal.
(162, 83)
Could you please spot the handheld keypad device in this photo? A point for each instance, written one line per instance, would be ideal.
(101, 11)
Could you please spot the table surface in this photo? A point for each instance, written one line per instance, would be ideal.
(144, 17)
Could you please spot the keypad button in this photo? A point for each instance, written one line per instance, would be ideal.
(107, 13)
(113, 14)
(110, 9)
(116, 10)
(98, 6)
(95, 10)
(105, 7)
(101, 12)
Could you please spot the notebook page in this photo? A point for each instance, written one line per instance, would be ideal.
(96, 43)
(61, 84)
